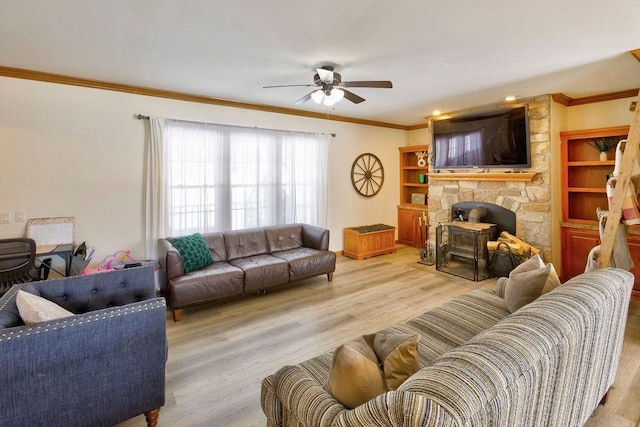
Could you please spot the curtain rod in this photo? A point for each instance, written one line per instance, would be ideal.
(143, 117)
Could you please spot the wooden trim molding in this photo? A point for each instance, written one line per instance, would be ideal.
(420, 126)
(635, 53)
(567, 101)
(605, 97)
(561, 99)
(20, 73)
(491, 176)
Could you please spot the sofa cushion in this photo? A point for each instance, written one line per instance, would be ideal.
(526, 282)
(355, 376)
(306, 262)
(34, 309)
(215, 243)
(262, 271)
(194, 252)
(282, 238)
(245, 243)
(398, 354)
(453, 323)
(216, 281)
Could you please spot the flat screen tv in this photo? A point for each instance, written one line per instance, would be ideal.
(488, 139)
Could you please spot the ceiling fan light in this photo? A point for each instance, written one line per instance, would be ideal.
(329, 101)
(337, 94)
(317, 96)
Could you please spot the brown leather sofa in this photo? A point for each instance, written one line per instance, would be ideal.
(246, 261)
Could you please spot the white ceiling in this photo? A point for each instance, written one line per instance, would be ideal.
(446, 55)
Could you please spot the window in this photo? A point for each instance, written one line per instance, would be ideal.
(227, 177)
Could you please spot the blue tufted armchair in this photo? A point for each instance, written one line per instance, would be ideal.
(100, 367)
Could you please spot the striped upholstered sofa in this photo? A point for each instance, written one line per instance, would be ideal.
(548, 364)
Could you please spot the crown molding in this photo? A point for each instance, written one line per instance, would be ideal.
(420, 126)
(561, 99)
(20, 73)
(567, 101)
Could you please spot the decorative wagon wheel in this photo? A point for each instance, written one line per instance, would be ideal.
(367, 174)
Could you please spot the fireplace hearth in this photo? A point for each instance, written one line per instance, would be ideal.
(461, 244)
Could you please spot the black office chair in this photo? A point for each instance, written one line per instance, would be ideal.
(17, 263)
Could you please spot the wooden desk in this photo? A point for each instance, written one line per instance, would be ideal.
(368, 241)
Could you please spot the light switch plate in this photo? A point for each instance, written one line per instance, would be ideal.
(4, 218)
(19, 216)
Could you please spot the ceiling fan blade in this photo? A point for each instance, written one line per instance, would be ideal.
(326, 76)
(304, 98)
(272, 86)
(369, 83)
(352, 97)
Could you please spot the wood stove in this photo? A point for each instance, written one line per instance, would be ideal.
(461, 245)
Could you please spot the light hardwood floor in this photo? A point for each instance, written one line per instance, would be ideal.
(219, 354)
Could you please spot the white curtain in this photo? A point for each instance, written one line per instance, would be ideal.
(154, 185)
(219, 177)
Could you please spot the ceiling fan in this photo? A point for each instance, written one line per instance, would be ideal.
(331, 88)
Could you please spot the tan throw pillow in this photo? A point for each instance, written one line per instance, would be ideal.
(35, 309)
(501, 284)
(553, 281)
(398, 354)
(355, 376)
(533, 263)
(526, 282)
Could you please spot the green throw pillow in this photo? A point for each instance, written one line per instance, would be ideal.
(194, 252)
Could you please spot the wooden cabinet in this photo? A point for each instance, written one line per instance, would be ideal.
(408, 225)
(576, 245)
(633, 240)
(584, 178)
(414, 192)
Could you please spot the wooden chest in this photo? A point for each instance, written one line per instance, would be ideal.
(368, 241)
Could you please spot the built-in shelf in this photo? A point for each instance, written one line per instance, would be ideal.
(584, 175)
(586, 190)
(413, 206)
(414, 186)
(592, 163)
(492, 176)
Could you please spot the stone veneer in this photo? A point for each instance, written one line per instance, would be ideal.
(531, 201)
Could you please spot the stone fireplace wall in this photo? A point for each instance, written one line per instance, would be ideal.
(531, 201)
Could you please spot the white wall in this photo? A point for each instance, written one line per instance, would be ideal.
(419, 137)
(558, 124)
(73, 151)
(600, 114)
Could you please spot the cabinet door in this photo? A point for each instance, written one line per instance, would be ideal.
(576, 245)
(634, 247)
(407, 226)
